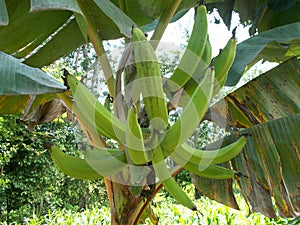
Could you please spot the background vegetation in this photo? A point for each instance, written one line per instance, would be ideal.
(30, 183)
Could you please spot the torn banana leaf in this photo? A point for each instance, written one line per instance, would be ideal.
(270, 163)
(273, 162)
(219, 190)
(272, 95)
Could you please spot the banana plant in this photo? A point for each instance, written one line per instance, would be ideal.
(262, 152)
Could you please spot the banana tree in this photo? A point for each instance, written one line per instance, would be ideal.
(262, 117)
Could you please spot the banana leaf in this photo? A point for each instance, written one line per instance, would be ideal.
(268, 108)
(56, 28)
(36, 26)
(270, 165)
(145, 12)
(279, 13)
(67, 39)
(267, 46)
(272, 95)
(262, 14)
(272, 159)
(52, 26)
(219, 190)
(23, 86)
(246, 9)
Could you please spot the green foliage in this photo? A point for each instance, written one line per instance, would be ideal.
(30, 183)
(169, 212)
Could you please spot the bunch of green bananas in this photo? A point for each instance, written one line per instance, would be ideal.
(198, 75)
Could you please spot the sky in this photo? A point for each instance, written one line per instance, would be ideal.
(218, 33)
(175, 35)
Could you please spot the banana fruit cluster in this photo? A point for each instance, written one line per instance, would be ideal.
(198, 75)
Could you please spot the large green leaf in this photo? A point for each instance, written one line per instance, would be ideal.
(262, 14)
(20, 83)
(145, 12)
(26, 31)
(123, 22)
(267, 45)
(225, 9)
(44, 21)
(55, 28)
(280, 5)
(270, 165)
(245, 8)
(62, 44)
(133, 10)
(69, 5)
(104, 14)
(279, 14)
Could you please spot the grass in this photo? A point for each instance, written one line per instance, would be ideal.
(210, 213)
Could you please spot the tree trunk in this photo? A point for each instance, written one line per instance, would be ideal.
(125, 208)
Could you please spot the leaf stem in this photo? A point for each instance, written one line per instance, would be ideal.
(99, 49)
(163, 22)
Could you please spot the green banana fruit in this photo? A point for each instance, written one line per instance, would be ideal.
(204, 170)
(134, 139)
(163, 173)
(106, 161)
(193, 53)
(72, 166)
(98, 163)
(149, 76)
(224, 154)
(192, 84)
(224, 61)
(93, 114)
(192, 114)
(204, 62)
(212, 171)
